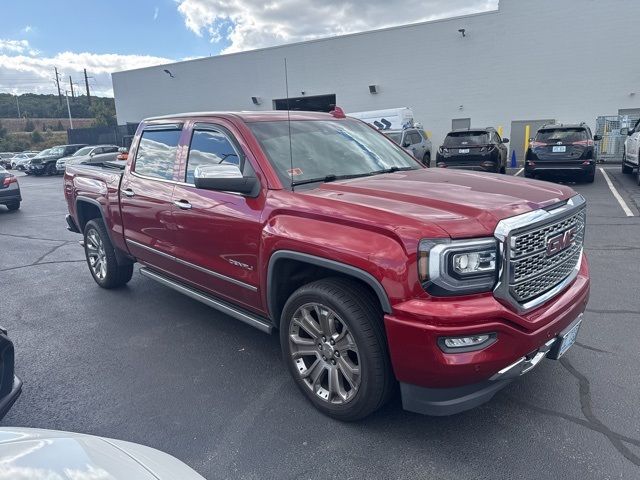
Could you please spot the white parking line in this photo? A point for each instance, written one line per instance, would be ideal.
(620, 200)
(518, 172)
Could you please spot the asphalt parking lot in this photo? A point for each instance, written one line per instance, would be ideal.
(149, 365)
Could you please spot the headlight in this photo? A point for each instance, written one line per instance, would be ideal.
(458, 267)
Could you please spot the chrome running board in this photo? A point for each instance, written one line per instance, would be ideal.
(246, 317)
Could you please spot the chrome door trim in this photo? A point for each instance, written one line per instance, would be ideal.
(194, 266)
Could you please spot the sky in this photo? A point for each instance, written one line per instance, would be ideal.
(106, 36)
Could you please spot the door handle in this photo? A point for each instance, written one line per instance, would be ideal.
(183, 204)
(128, 192)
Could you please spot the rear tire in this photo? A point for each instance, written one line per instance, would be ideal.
(337, 315)
(503, 170)
(101, 257)
(626, 169)
(13, 206)
(590, 178)
(426, 160)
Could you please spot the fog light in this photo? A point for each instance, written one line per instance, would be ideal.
(466, 344)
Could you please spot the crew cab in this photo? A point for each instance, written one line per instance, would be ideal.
(374, 269)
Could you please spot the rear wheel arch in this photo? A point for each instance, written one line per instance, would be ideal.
(298, 269)
(88, 209)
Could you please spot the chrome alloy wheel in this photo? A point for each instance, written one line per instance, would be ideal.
(324, 353)
(96, 254)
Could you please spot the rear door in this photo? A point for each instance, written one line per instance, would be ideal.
(146, 194)
(218, 233)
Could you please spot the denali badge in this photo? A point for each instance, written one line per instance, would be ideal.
(561, 242)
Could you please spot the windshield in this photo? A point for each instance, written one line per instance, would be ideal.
(83, 151)
(396, 137)
(466, 139)
(565, 135)
(44, 153)
(322, 148)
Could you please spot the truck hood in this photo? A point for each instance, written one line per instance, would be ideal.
(462, 203)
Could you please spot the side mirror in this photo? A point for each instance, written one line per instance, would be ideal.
(405, 144)
(597, 138)
(505, 140)
(92, 154)
(625, 131)
(226, 178)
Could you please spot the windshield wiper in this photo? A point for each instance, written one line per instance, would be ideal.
(333, 177)
(392, 170)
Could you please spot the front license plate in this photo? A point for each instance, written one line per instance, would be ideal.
(568, 339)
(463, 150)
(562, 149)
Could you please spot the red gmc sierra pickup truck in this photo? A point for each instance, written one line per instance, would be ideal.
(375, 270)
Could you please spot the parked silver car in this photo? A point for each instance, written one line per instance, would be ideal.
(414, 140)
(31, 453)
(85, 155)
(21, 157)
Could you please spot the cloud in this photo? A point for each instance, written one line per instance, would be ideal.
(27, 29)
(250, 24)
(156, 11)
(23, 69)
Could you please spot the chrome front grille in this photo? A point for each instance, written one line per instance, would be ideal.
(530, 274)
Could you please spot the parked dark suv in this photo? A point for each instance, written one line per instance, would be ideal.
(474, 149)
(562, 149)
(45, 164)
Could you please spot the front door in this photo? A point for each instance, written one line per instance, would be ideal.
(218, 233)
(146, 196)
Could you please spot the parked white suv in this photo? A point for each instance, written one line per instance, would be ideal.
(631, 155)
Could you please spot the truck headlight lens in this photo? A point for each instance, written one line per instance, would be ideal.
(458, 267)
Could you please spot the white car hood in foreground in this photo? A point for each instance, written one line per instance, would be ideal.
(34, 454)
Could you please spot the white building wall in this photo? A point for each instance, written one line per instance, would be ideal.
(571, 60)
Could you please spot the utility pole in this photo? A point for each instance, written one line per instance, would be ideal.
(86, 82)
(18, 105)
(71, 85)
(58, 85)
(68, 110)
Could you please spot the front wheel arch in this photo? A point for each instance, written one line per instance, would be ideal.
(310, 268)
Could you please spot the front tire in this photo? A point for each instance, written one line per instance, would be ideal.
(101, 257)
(590, 178)
(51, 169)
(332, 339)
(426, 160)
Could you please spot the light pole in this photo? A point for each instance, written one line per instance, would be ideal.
(68, 109)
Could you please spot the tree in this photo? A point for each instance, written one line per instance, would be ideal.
(29, 126)
(36, 136)
(103, 115)
(3, 131)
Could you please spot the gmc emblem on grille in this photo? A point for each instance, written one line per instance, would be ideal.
(561, 242)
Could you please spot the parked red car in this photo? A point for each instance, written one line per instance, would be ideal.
(374, 269)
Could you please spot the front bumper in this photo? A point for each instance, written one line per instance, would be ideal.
(439, 383)
(38, 168)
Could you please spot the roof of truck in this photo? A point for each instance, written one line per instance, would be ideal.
(250, 116)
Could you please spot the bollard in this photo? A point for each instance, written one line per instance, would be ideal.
(514, 160)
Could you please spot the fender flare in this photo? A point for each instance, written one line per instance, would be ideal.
(338, 267)
(122, 257)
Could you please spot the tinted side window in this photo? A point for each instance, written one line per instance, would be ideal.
(210, 147)
(109, 149)
(415, 138)
(156, 155)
